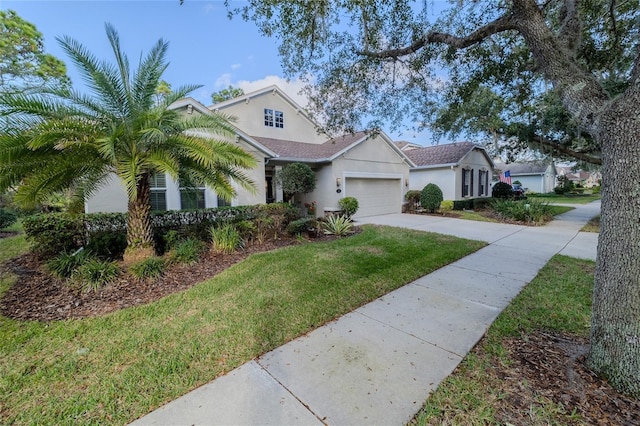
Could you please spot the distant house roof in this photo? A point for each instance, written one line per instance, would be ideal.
(529, 168)
(405, 146)
(442, 155)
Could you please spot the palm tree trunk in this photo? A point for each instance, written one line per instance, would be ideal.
(139, 229)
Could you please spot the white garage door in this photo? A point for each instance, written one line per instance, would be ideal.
(375, 196)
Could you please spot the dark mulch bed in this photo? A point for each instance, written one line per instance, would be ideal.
(552, 367)
(37, 295)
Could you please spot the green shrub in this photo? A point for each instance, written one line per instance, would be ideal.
(301, 225)
(431, 197)
(247, 229)
(152, 267)
(337, 225)
(413, 199)
(595, 190)
(502, 190)
(523, 210)
(107, 244)
(64, 265)
(188, 251)
(7, 218)
(54, 233)
(93, 274)
(225, 239)
(481, 203)
(171, 239)
(446, 205)
(349, 206)
(466, 204)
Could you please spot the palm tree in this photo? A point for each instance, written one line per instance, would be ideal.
(59, 138)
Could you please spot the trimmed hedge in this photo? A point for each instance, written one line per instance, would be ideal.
(472, 204)
(105, 233)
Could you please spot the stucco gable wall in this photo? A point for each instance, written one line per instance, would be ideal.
(444, 177)
(250, 119)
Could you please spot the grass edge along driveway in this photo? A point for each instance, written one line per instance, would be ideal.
(118, 367)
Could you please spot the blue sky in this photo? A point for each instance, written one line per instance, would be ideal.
(205, 47)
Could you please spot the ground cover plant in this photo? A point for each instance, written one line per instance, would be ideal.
(529, 368)
(114, 368)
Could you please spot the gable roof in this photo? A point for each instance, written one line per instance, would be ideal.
(529, 168)
(405, 145)
(274, 90)
(287, 150)
(190, 102)
(443, 155)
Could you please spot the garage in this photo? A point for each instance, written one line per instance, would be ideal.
(375, 196)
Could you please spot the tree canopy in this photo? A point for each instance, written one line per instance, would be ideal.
(559, 74)
(226, 94)
(23, 62)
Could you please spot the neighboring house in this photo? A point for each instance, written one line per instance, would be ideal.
(277, 131)
(534, 176)
(584, 178)
(461, 170)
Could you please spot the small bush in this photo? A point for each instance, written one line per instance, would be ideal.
(502, 190)
(225, 239)
(413, 199)
(431, 197)
(301, 225)
(595, 190)
(107, 244)
(152, 267)
(446, 205)
(523, 211)
(65, 264)
(349, 206)
(481, 203)
(7, 218)
(187, 251)
(94, 274)
(466, 204)
(337, 225)
(171, 239)
(247, 229)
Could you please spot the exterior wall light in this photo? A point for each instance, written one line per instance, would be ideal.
(338, 182)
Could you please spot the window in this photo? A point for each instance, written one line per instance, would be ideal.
(481, 182)
(465, 182)
(192, 198)
(273, 118)
(158, 196)
(223, 203)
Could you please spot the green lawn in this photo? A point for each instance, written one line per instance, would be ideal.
(566, 198)
(558, 299)
(593, 225)
(116, 368)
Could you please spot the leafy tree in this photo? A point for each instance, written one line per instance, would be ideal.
(296, 178)
(23, 63)
(567, 73)
(162, 91)
(226, 94)
(57, 139)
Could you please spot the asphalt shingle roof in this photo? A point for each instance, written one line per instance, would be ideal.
(533, 167)
(309, 151)
(439, 154)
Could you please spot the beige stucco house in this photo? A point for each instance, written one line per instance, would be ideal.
(461, 170)
(277, 132)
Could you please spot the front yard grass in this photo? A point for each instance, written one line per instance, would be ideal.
(118, 367)
(566, 198)
(557, 300)
(593, 225)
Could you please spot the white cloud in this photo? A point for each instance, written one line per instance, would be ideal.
(223, 82)
(236, 66)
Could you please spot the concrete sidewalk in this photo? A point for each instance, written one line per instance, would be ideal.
(379, 363)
